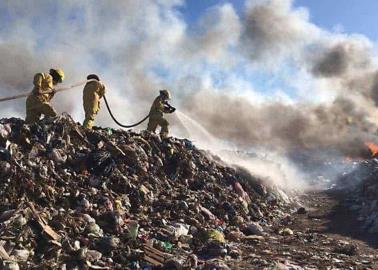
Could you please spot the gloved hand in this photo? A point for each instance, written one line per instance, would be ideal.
(168, 108)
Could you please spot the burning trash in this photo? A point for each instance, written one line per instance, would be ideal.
(373, 148)
(75, 198)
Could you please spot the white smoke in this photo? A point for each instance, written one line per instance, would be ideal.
(138, 47)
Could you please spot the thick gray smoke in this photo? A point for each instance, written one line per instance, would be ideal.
(274, 30)
(333, 63)
(339, 59)
(341, 126)
(138, 47)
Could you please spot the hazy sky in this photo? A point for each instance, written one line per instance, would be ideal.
(352, 16)
(253, 72)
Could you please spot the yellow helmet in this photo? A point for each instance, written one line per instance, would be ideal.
(57, 74)
(166, 93)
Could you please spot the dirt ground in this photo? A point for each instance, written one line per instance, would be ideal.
(325, 237)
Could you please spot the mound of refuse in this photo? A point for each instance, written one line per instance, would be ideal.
(73, 198)
(362, 185)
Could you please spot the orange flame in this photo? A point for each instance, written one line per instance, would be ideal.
(372, 147)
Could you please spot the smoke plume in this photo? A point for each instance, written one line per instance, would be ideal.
(274, 29)
(138, 47)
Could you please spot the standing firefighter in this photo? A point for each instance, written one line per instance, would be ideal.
(93, 92)
(158, 108)
(38, 102)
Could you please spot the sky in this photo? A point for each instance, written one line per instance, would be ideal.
(352, 16)
(345, 16)
(251, 71)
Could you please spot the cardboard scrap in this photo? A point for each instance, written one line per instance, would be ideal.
(43, 224)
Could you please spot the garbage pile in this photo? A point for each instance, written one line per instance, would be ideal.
(73, 198)
(362, 184)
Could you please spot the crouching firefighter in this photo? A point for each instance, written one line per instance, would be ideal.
(93, 91)
(158, 108)
(38, 102)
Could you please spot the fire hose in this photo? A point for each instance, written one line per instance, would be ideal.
(74, 86)
(118, 123)
(56, 90)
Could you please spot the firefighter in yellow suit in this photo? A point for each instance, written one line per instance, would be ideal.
(93, 92)
(158, 108)
(38, 102)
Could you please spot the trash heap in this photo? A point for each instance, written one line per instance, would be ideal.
(73, 198)
(362, 185)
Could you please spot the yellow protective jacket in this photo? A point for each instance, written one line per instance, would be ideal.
(93, 92)
(158, 108)
(43, 83)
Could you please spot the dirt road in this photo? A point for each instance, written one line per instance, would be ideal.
(325, 237)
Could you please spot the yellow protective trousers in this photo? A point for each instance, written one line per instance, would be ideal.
(35, 108)
(92, 93)
(91, 108)
(156, 120)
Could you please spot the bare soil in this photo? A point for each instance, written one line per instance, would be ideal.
(316, 239)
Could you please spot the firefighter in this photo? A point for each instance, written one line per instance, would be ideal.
(38, 102)
(158, 108)
(94, 90)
